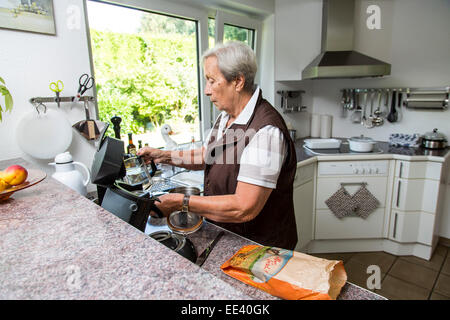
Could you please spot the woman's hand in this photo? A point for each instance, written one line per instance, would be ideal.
(149, 154)
(170, 202)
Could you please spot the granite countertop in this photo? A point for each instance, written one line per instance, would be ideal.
(56, 244)
(386, 152)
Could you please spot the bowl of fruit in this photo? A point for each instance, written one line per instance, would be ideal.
(16, 177)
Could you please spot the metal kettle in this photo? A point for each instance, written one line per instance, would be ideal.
(66, 173)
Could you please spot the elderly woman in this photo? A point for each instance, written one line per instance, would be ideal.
(248, 158)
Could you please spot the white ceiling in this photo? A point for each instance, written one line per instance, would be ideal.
(256, 8)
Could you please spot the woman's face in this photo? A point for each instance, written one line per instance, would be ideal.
(221, 92)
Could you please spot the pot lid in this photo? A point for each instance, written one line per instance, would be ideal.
(361, 139)
(435, 135)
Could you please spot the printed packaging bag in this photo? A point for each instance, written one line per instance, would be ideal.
(287, 274)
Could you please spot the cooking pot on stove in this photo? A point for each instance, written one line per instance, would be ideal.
(177, 243)
(361, 144)
(434, 140)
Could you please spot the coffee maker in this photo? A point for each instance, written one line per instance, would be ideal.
(128, 202)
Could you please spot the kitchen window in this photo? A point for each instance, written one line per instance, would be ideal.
(123, 85)
(146, 70)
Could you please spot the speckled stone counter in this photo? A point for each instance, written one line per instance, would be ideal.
(55, 244)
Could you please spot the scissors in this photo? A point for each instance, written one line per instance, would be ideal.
(86, 82)
(57, 87)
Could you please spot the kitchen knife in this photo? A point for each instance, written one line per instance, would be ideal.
(204, 255)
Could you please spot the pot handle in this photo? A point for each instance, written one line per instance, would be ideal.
(88, 174)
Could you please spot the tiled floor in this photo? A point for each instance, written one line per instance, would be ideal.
(402, 278)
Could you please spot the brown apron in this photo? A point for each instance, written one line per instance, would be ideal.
(275, 224)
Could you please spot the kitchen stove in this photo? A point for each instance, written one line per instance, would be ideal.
(344, 149)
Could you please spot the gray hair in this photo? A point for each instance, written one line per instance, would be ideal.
(235, 58)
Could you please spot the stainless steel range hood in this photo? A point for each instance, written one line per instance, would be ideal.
(338, 59)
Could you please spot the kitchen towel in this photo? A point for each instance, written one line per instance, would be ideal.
(341, 203)
(325, 126)
(404, 140)
(315, 125)
(365, 201)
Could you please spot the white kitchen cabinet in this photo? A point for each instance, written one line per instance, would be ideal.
(304, 205)
(414, 201)
(298, 27)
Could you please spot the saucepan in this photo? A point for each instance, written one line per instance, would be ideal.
(361, 144)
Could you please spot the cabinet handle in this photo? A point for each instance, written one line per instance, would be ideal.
(398, 193)
(395, 226)
(401, 170)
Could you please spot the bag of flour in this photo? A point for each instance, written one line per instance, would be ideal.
(287, 274)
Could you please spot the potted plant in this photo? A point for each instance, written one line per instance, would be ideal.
(8, 98)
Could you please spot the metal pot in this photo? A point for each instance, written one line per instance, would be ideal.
(177, 243)
(191, 191)
(434, 140)
(361, 144)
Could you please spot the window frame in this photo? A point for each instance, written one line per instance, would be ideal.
(207, 115)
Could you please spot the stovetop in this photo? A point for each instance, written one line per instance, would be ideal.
(343, 149)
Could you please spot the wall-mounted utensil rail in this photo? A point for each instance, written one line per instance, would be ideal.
(415, 98)
(37, 100)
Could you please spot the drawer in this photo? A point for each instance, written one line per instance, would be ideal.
(328, 226)
(326, 187)
(410, 227)
(303, 174)
(418, 169)
(415, 195)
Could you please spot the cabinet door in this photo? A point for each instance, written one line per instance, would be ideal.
(298, 26)
(304, 211)
(410, 227)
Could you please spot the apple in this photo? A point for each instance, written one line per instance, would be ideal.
(14, 175)
(3, 185)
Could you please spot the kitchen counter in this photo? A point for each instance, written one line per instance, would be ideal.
(56, 244)
(388, 152)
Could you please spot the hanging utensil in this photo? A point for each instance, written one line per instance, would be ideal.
(86, 82)
(363, 118)
(399, 105)
(57, 87)
(378, 120)
(369, 122)
(344, 103)
(392, 116)
(356, 115)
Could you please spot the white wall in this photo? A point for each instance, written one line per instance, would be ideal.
(414, 39)
(29, 62)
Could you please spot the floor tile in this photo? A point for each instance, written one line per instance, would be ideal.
(382, 259)
(357, 274)
(413, 273)
(434, 263)
(446, 266)
(441, 250)
(443, 285)
(437, 296)
(396, 289)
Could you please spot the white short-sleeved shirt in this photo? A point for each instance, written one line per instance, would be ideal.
(263, 157)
